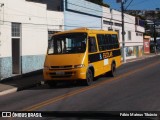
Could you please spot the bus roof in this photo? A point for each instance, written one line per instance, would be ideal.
(86, 30)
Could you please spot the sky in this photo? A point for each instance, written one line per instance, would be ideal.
(136, 4)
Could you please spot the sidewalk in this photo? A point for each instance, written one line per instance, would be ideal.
(141, 58)
(20, 82)
(32, 79)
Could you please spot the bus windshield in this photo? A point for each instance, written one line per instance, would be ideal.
(70, 43)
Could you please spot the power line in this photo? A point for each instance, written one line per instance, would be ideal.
(139, 3)
(129, 4)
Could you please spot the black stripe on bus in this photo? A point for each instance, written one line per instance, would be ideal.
(103, 55)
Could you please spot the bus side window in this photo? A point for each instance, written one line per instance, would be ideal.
(115, 41)
(101, 42)
(92, 47)
(108, 41)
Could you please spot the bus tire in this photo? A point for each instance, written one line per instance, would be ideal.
(112, 73)
(89, 77)
(52, 84)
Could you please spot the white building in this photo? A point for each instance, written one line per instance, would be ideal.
(26, 25)
(24, 28)
(112, 20)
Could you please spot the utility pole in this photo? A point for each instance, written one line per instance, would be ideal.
(123, 32)
(154, 35)
(154, 31)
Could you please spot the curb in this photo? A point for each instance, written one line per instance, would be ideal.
(16, 89)
(12, 90)
(8, 85)
(141, 58)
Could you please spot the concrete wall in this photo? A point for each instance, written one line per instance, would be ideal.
(106, 13)
(55, 21)
(51, 4)
(75, 20)
(35, 22)
(84, 6)
(81, 13)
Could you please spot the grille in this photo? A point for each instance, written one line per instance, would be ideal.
(66, 74)
(61, 76)
(61, 67)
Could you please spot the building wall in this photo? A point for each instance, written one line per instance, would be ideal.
(81, 13)
(55, 21)
(106, 16)
(76, 20)
(51, 4)
(35, 22)
(133, 45)
(106, 13)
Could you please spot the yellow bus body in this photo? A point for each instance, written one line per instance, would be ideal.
(62, 67)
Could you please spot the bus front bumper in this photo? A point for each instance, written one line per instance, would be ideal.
(72, 74)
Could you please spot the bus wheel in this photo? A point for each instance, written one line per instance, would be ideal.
(89, 77)
(52, 84)
(112, 73)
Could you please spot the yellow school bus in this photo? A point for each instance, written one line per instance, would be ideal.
(81, 54)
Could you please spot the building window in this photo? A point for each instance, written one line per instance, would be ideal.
(107, 22)
(129, 35)
(139, 34)
(16, 29)
(118, 24)
(16, 48)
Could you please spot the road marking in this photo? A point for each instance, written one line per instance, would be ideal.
(67, 95)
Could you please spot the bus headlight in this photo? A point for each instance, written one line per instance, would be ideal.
(79, 66)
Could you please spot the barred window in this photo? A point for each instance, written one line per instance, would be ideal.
(16, 29)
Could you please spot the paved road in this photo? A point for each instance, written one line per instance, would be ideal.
(136, 88)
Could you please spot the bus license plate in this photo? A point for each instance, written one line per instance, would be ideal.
(59, 73)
